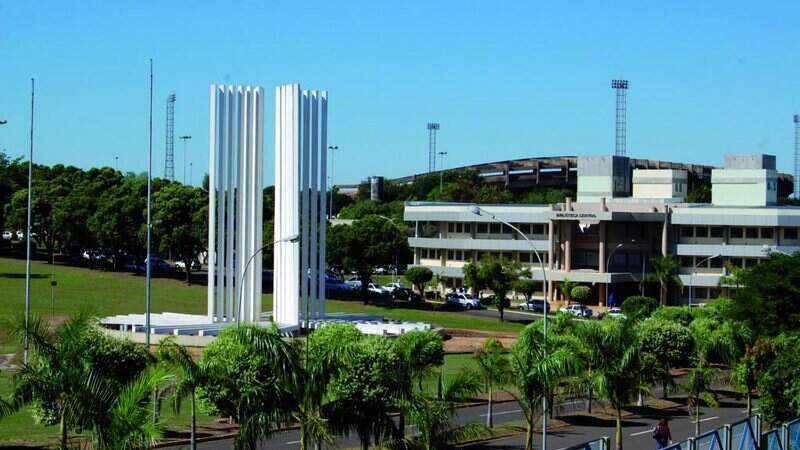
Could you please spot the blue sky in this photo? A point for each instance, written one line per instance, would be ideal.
(505, 80)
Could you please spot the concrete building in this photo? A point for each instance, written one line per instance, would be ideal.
(621, 220)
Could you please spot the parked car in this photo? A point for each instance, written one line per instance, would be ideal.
(392, 286)
(182, 265)
(464, 300)
(7, 235)
(404, 293)
(334, 285)
(612, 312)
(534, 306)
(156, 265)
(20, 235)
(577, 310)
(377, 289)
(355, 282)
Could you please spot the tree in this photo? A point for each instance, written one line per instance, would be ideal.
(669, 344)
(748, 370)
(767, 303)
(779, 384)
(526, 287)
(422, 353)
(190, 377)
(617, 366)
(639, 307)
(180, 217)
(253, 379)
(581, 294)
(366, 244)
(498, 275)
(326, 353)
(82, 379)
(364, 392)
(118, 223)
(699, 194)
(566, 288)
(418, 276)
(538, 365)
(665, 273)
(494, 370)
(43, 200)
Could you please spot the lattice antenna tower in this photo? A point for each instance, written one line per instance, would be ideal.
(169, 157)
(432, 129)
(621, 133)
(797, 156)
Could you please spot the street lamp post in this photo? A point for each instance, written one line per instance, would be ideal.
(608, 261)
(149, 262)
(766, 250)
(691, 277)
(333, 149)
(28, 239)
(184, 138)
(293, 238)
(478, 211)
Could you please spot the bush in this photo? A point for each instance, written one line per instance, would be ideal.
(418, 276)
(779, 384)
(680, 314)
(669, 341)
(639, 307)
(581, 294)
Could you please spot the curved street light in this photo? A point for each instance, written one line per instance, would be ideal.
(691, 276)
(478, 211)
(293, 238)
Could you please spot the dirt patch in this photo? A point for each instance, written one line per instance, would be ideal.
(467, 341)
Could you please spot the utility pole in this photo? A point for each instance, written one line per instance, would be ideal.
(149, 262)
(184, 138)
(333, 149)
(28, 239)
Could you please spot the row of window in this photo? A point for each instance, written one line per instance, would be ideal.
(689, 262)
(495, 228)
(466, 255)
(736, 232)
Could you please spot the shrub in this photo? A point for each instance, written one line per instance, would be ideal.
(680, 314)
(581, 294)
(669, 341)
(418, 276)
(639, 307)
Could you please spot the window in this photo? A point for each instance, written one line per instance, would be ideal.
(717, 232)
(736, 262)
(687, 261)
(751, 233)
(537, 228)
(736, 233)
(750, 262)
(687, 232)
(467, 227)
(451, 227)
(766, 233)
(450, 255)
(701, 232)
(524, 257)
(508, 256)
(524, 227)
(507, 229)
(790, 233)
(494, 228)
(715, 263)
(483, 228)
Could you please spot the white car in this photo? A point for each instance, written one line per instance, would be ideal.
(465, 300)
(20, 235)
(7, 235)
(392, 286)
(354, 282)
(615, 312)
(377, 289)
(577, 310)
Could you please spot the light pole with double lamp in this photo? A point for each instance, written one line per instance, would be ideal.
(293, 238)
(691, 277)
(478, 211)
(333, 149)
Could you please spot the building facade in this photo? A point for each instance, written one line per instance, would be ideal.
(606, 241)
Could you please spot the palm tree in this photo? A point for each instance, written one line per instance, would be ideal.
(421, 353)
(538, 365)
(191, 376)
(494, 370)
(698, 389)
(433, 416)
(617, 365)
(665, 273)
(590, 334)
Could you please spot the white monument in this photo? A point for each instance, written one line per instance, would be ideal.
(301, 142)
(235, 180)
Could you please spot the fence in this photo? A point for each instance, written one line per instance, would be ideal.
(785, 437)
(604, 443)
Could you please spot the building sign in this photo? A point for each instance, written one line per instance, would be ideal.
(572, 215)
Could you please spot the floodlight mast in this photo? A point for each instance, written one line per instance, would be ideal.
(433, 127)
(796, 156)
(621, 134)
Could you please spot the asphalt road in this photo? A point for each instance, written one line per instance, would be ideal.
(636, 431)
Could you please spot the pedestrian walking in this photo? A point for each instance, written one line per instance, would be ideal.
(661, 434)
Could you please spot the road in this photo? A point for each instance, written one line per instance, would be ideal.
(636, 431)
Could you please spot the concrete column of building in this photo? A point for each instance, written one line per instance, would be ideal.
(602, 294)
(550, 244)
(601, 247)
(416, 255)
(568, 246)
(665, 233)
(550, 296)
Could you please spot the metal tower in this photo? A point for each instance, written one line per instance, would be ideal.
(169, 159)
(796, 156)
(432, 128)
(621, 135)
